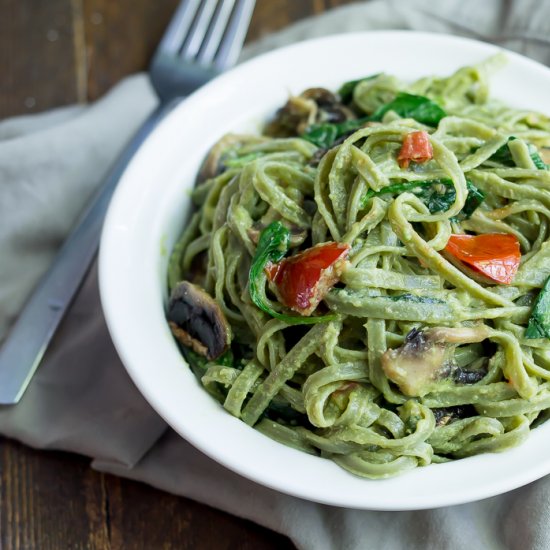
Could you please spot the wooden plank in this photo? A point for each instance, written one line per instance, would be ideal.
(121, 37)
(50, 501)
(37, 56)
(44, 502)
(178, 524)
(56, 52)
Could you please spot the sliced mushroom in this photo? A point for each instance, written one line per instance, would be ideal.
(446, 415)
(197, 321)
(329, 107)
(321, 96)
(415, 365)
(313, 106)
(212, 164)
(462, 375)
(292, 119)
(427, 356)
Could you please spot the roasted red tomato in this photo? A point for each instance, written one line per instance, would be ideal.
(495, 255)
(416, 146)
(303, 280)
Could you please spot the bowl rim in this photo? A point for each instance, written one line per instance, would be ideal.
(117, 256)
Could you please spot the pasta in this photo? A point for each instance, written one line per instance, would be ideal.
(424, 338)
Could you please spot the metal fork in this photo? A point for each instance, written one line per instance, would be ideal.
(203, 38)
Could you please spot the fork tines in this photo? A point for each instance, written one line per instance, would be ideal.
(208, 32)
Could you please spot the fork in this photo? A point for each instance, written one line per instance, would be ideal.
(203, 38)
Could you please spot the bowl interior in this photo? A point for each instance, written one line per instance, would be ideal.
(151, 206)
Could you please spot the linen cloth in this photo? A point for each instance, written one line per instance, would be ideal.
(81, 399)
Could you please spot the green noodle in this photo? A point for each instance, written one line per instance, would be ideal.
(322, 388)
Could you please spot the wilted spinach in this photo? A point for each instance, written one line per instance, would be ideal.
(420, 108)
(539, 322)
(438, 195)
(272, 247)
(346, 90)
(503, 155)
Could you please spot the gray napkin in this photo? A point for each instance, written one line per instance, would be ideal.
(81, 399)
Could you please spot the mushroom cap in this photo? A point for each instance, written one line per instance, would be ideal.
(197, 321)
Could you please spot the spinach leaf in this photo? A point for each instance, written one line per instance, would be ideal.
(227, 359)
(405, 105)
(396, 188)
(473, 200)
(535, 157)
(438, 195)
(196, 362)
(273, 245)
(346, 90)
(324, 135)
(199, 363)
(438, 201)
(539, 322)
(420, 108)
(503, 155)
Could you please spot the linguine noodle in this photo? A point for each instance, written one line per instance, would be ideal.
(420, 358)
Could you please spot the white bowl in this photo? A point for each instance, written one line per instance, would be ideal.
(151, 206)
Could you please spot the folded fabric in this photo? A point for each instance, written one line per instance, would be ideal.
(81, 398)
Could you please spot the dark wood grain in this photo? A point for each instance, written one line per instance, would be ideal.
(37, 55)
(53, 53)
(137, 26)
(57, 52)
(54, 501)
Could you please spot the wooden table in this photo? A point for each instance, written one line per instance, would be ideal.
(57, 52)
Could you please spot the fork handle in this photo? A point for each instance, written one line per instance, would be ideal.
(41, 315)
